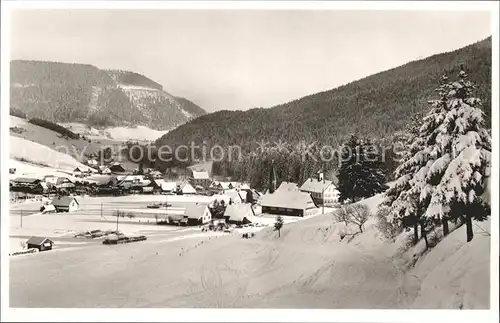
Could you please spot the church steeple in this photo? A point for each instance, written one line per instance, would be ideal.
(272, 178)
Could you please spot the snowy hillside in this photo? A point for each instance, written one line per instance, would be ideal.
(454, 274)
(148, 101)
(31, 170)
(32, 152)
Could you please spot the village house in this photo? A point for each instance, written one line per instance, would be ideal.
(40, 243)
(41, 188)
(117, 168)
(252, 196)
(132, 179)
(102, 180)
(239, 214)
(323, 192)
(197, 214)
(156, 174)
(64, 183)
(65, 204)
(50, 179)
(82, 172)
(25, 183)
(200, 178)
(48, 208)
(236, 196)
(222, 186)
(293, 203)
(147, 189)
(105, 170)
(169, 187)
(156, 185)
(185, 188)
(92, 163)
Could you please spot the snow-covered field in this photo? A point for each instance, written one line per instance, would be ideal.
(140, 133)
(85, 130)
(134, 133)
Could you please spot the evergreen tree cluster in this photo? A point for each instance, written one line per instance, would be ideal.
(444, 171)
(361, 174)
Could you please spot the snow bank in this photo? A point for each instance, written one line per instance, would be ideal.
(455, 274)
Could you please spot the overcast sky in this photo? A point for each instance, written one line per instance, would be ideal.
(243, 59)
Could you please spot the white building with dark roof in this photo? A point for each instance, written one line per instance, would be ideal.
(200, 179)
(65, 204)
(239, 214)
(197, 214)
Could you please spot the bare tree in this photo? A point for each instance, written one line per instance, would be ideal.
(341, 215)
(359, 214)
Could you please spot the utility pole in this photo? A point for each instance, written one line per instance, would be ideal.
(323, 194)
(21, 218)
(166, 206)
(323, 198)
(101, 210)
(117, 219)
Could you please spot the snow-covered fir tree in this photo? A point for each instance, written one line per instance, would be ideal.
(404, 150)
(444, 177)
(361, 172)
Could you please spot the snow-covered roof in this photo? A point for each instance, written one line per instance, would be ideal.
(63, 201)
(25, 179)
(314, 186)
(195, 211)
(131, 178)
(238, 212)
(200, 175)
(38, 241)
(48, 207)
(82, 169)
(186, 187)
(288, 186)
(100, 179)
(167, 186)
(288, 199)
(235, 196)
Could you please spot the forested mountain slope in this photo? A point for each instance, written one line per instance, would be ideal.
(61, 92)
(377, 106)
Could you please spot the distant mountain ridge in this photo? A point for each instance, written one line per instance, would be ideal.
(375, 106)
(62, 92)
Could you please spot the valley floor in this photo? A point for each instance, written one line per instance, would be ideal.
(306, 267)
(213, 271)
